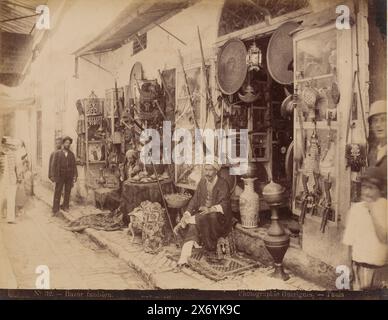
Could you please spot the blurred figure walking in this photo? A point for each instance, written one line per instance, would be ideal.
(9, 177)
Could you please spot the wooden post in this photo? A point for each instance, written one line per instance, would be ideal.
(86, 142)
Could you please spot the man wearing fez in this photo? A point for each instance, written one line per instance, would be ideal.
(378, 129)
(377, 156)
(64, 174)
(208, 215)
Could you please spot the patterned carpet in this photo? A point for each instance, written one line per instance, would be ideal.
(214, 269)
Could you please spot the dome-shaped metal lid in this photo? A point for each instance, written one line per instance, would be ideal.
(273, 188)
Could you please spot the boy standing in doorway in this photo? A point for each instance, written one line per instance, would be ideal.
(366, 230)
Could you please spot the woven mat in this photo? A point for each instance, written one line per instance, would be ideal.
(217, 269)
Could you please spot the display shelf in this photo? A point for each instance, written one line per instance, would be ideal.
(185, 186)
(96, 161)
(307, 79)
(320, 68)
(319, 125)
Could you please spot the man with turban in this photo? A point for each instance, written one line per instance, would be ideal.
(131, 163)
(208, 215)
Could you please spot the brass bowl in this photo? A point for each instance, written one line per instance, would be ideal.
(176, 201)
(273, 193)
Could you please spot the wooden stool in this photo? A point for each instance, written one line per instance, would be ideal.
(226, 246)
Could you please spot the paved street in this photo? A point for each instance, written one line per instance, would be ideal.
(73, 260)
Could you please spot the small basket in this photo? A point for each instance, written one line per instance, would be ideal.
(176, 200)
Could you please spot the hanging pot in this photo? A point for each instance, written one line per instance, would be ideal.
(101, 180)
(287, 108)
(249, 95)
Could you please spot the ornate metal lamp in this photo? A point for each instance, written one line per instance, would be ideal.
(254, 58)
(276, 241)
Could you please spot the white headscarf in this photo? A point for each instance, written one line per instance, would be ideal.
(214, 162)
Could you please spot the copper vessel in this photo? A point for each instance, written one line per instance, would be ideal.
(273, 193)
(276, 240)
(101, 180)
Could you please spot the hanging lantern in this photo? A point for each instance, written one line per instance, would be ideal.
(101, 127)
(254, 58)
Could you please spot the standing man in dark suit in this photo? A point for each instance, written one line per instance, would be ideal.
(65, 174)
(58, 146)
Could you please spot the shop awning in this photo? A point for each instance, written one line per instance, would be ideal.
(17, 20)
(135, 18)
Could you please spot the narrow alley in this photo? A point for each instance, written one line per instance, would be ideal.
(74, 261)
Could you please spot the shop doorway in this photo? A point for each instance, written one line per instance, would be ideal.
(270, 133)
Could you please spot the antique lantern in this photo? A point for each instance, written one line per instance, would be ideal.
(254, 58)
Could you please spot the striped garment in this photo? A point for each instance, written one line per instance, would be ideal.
(8, 165)
(2, 167)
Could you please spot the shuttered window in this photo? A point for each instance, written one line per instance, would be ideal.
(139, 43)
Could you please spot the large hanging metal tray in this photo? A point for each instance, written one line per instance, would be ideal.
(135, 75)
(231, 66)
(280, 54)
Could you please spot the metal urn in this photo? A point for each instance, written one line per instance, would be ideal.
(101, 180)
(276, 240)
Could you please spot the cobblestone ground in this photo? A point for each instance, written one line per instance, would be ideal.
(73, 260)
(158, 269)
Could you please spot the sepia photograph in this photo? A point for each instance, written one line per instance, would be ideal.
(193, 149)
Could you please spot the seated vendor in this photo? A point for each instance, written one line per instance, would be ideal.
(131, 163)
(208, 215)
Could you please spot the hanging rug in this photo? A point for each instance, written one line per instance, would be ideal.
(214, 269)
